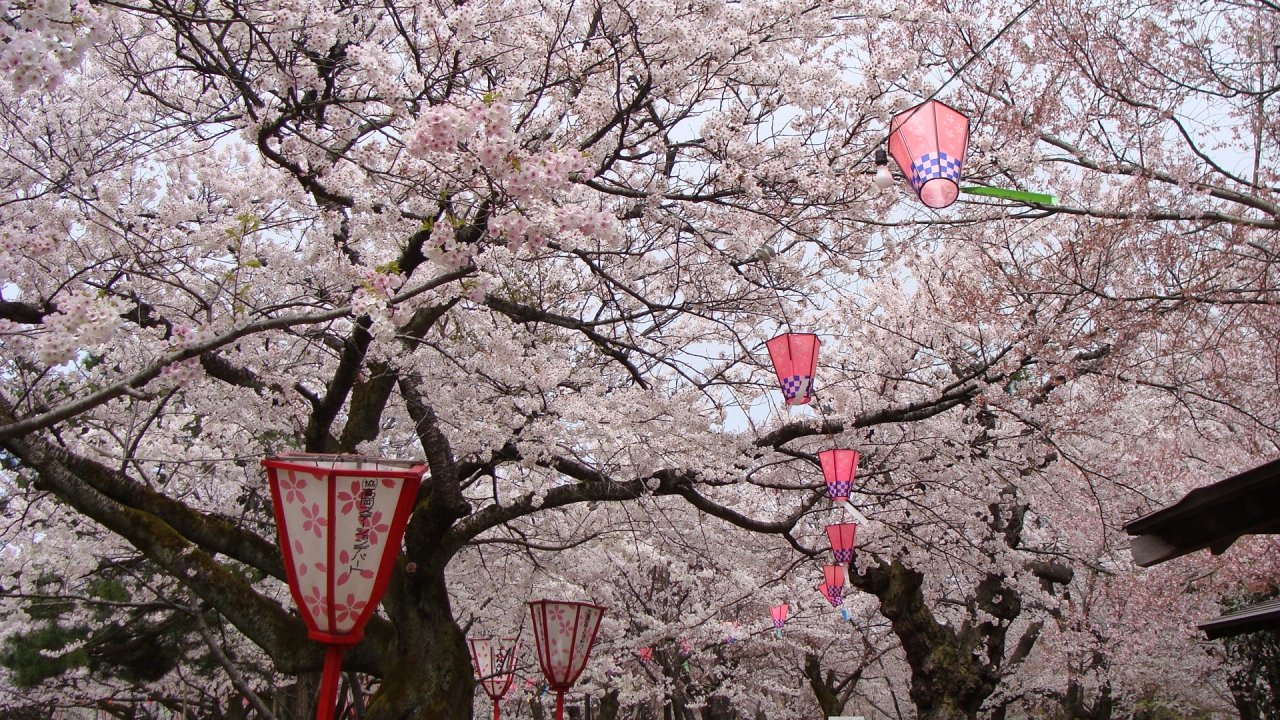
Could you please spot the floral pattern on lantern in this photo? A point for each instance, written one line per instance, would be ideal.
(929, 142)
(841, 537)
(795, 362)
(839, 468)
(495, 662)
(336, 579)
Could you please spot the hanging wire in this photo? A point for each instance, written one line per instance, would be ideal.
(977, 54)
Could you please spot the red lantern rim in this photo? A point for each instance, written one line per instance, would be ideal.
(399, 520)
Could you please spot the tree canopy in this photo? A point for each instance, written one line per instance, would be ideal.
(541, 245)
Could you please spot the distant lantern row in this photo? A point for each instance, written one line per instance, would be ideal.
(795, 362)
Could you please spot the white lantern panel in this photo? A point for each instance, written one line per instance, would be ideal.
(304, 503)
(363, 510)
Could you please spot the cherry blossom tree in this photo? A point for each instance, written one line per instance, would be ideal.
(542, 245)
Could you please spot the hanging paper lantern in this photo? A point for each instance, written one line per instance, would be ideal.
(646, 654)
(795, 361)
(929, 143)
(839, 468)
(832, 586)
(779, 613)
(495, 662)
(841, 537)
(340, 519)
(565, 632)
(686, 647)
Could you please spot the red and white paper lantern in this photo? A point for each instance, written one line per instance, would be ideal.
(340, 520)
(495, 662)
(564, 632)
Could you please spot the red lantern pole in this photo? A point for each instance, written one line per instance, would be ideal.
(564, 632)
(340, 519)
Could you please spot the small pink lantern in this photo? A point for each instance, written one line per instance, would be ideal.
(340, 519)
(832, 586)
(779, 613)
(565, 632)
(839, 468)
(495, 662)
(929, 143)
(646, 654)
(841, 537)
(795, 361)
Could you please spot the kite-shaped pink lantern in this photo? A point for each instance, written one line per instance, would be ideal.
(495, 662)
(833, 584)
(565, 632)
(841, 537)
(839, 468)
(779, 613)
(646, 654)
(795, 360)
(929, 143)
(340, 519)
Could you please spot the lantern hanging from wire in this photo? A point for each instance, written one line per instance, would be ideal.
(779, 615)
(839, 468)
(646, 654)
(340, 519)
(495, 662)
(842, 536)
(929, 142)
(564, 632)
(832, 587)
(795, 361)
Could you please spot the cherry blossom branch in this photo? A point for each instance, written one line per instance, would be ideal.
(140, 378)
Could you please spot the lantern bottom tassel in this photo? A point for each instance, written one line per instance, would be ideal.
(844, 613)
(329, 682)
(779, 632)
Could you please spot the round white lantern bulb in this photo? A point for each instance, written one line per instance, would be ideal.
(884, 178)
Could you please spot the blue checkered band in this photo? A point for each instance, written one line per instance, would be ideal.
(932, 166)
(839, 489)
(835, 591)
(796, 388)
(843, 556)
(777, 623)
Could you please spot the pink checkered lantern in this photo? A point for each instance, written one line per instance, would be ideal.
(340, 519)
(832, 586)
(929, 143)
(565, 632)
(495, 663)
(839, 468)
(779, 614)
(795, 361)
(841, 537)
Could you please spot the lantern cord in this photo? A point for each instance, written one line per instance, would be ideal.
(329, 682)
(777, 295)
(977, 54)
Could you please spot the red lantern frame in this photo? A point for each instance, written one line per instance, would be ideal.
(581, 635)
(795, 362)
(839, 468)
(336, 625)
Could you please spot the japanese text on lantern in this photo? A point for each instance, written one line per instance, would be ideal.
(364, 503)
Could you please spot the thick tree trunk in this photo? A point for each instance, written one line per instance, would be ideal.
(948, 682)
(428, 676)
